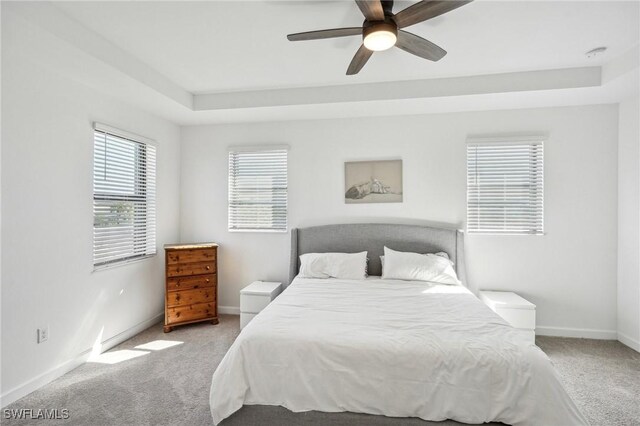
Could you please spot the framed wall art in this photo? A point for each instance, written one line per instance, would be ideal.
(373, 181)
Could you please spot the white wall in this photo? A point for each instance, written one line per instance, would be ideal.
(570, 273)
(47, 219)
(629, 224)
(0, 205)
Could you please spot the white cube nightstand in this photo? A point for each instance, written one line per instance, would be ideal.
(517, 311)
(255, 297)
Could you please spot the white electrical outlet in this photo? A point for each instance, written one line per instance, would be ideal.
(43, 334)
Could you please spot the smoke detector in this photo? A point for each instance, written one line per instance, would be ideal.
(598, 51)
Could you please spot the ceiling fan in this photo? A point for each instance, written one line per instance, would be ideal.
(381, 30)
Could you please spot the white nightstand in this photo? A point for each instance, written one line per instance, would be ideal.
(517, 311)
(255, 297)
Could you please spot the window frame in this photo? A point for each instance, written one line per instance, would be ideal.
(253, 149)
(146, 198)
(509, 141)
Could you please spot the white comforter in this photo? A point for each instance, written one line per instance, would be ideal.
(396, 348)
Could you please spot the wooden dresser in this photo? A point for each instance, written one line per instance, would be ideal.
(191, 293)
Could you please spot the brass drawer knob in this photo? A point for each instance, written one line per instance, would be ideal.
(208, 267)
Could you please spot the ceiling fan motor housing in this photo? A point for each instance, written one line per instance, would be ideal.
(388, 24)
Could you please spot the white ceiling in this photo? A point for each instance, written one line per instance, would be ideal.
(226, 46)
(222, 61)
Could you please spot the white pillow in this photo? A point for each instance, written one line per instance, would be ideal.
(440, 253)
(399, 265)
(351, 266)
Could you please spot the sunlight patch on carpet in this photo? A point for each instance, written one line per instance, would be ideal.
(158, 345)
(116, 357)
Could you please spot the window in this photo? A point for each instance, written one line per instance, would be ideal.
(124, 197)
(258, 189)
(505, 186)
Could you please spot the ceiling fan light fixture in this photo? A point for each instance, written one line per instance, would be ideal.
(380, 36)
(380, 40)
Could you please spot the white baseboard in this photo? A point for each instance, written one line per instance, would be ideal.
(628, 341)
(584, 333)
(229, 310)
(48, 376)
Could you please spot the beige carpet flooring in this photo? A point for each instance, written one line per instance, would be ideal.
(170, 386)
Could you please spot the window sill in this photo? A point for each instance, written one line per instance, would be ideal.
(504, 234)
(123, 263)
(262, 231)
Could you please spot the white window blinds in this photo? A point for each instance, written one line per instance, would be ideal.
(124, 197)
(258, 189)
(505, 187)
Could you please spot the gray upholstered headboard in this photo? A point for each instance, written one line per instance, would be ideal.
(372, 237)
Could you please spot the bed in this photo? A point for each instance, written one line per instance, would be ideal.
(385, 347)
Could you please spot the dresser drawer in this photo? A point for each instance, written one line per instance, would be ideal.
(190, 297)
(193, 312)
(186, 283)
(190, 256)
(184, 269)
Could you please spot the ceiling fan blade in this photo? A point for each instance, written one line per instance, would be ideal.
(361, 57)
(320, 34)
(426, 9)
(371, 9)
(420, 47)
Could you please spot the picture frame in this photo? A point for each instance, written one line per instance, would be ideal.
(374, 181)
